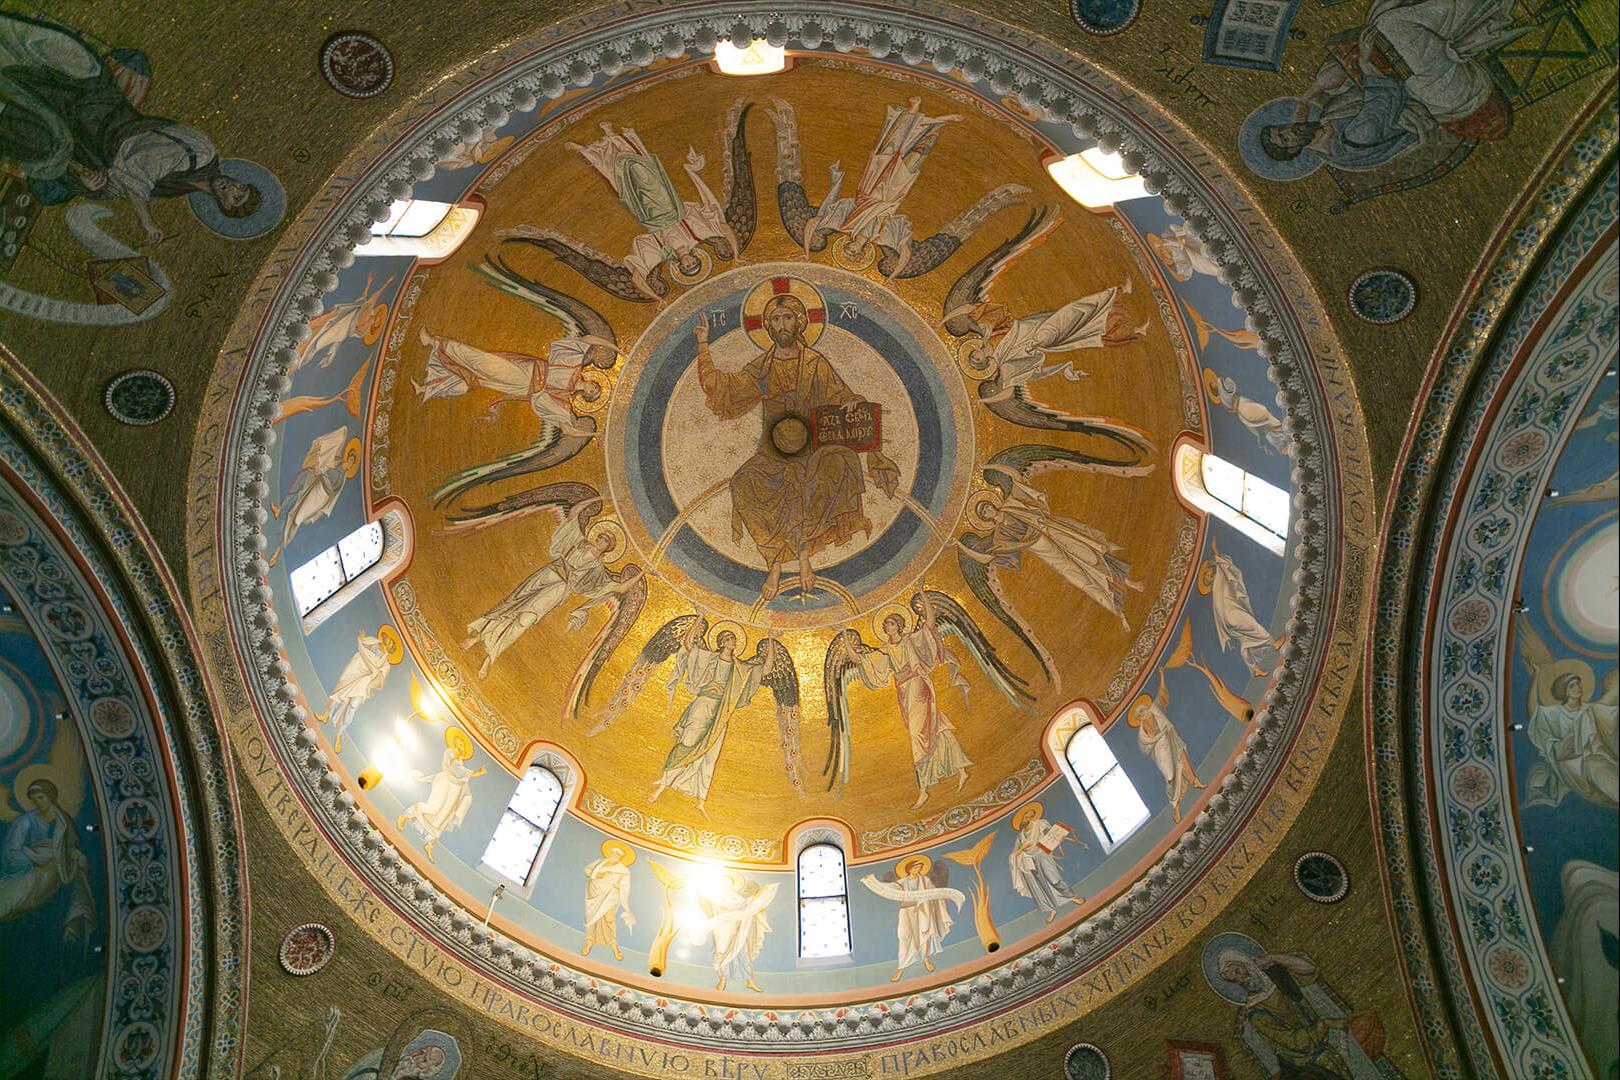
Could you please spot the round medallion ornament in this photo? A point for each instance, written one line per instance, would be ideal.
(1382, 296)
(357, 65)
(307, 948)
(1105, 17)
(12, 529)
(1085, 1062)
(113, 718)
(139, 397)
(1321, 877)
(145, 929)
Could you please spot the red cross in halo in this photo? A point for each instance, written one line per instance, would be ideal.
(779, 286)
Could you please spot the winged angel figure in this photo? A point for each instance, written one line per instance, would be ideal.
(1010, 354)
(680, 238)
(721, 681)
(868, 225)
(1575, 736)
(554, 388)
(40, 857)
(1015, 518)
(906, 658)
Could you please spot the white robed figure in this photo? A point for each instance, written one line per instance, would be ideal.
(364, 675)
(721, 682)
(872, 214)
(674, 227)
(1033, 861)
(548, 385)
(362, 318)
(1019, 347)
(1182, 253)
(1576, 737)
(1590, 983)
(1220, 579)
(1159, 740)
(734, 916)
(1261, 421)
(577, 567)
(40, 856)
(607, 896)
(332, 460)
(449, 792)
(919, 886)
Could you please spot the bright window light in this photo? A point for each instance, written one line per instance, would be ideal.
(420, 229)
(318, 579)
(1108, 793)
(823, 902)
(514, 848)
(1096, 179)
(1255, 507)
(759, 57)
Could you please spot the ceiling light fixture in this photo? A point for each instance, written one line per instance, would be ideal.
(1096, 179)
(759, 57)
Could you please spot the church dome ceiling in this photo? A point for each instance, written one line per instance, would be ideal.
(781, 462)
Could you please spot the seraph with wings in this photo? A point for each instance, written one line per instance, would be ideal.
(871, 214)
(681, 237)
(969, 316)
(1014, 518)
(722, 681)
(587, 342)
(893, 660)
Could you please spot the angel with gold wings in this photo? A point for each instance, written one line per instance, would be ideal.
(1015, 518)
(1575, 735)
(906, 658)
(721, 681)
(39, 845)
(579, 553)
(559, 388)
(680, 237)
(1009, 354)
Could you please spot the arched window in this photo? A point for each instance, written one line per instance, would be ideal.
(1106, 793)
(823, 902)
(419, 228)
(1095, 178)
(318, 579)
(514, 849)
(1253, 506)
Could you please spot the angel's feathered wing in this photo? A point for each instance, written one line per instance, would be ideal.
(596, 267)
(929, 253)
(985, 585)
(549, 449)
(953, 620)
(782, 679)
(626, 605)
(973, 287)
(841, 667)
(794, 206)
(660, 647)
(1129, 448)
(578, 318)
(742, 213)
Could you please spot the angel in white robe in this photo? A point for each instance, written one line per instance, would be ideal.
(362, 318)
(577, 567)
(449, 793)
(674, 228)
(919, 886)
(872, 214)
(548, 385)
(1081, 554)
(734, 916)
(40, 856)
(1182, 253)
(1018, 347)
(1261, 421)
(362, 676)
(1033, 861)
(607, 896)
(1575, 737)
(1159, 740)
(1220, 579)
(332, 459)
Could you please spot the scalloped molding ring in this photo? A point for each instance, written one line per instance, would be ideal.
(1297, 719)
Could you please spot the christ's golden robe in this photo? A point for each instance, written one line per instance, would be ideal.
(790, 506)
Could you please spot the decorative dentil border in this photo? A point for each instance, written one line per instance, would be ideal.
(1466, 371)
(1011, 62)
(121, 643)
